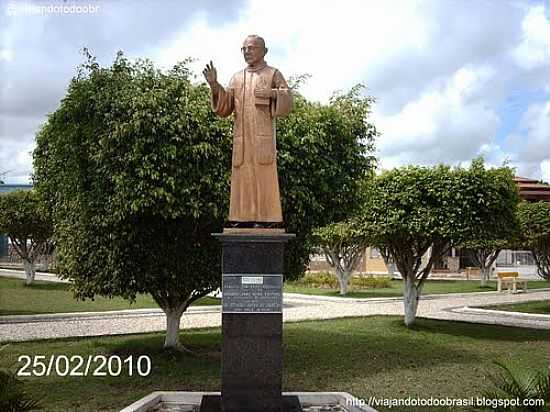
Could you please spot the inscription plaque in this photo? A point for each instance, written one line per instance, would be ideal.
(252, 293)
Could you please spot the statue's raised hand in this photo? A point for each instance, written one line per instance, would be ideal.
(210, 74)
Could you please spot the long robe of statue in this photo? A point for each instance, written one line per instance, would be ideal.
(254, 183)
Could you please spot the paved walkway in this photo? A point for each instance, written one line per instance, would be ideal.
(456, 307)
(18, 274)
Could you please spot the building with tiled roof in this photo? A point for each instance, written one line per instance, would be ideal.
(532, 190)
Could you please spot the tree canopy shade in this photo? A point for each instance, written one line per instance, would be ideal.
(25, 220)
(414, 210)
(135, 168)
(534, 220)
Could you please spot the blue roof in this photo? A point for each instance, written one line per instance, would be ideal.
(10, 188)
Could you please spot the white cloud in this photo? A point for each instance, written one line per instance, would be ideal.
(494, 155)
(203, 43)
(536, 123)
(534, 49)
(6, 54)
(436, 70)
(439, 72)
(338, 45)
(449, 122)
(529, 145)
(16, 159)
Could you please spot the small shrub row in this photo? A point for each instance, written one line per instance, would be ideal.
(327, 280)
(323, 280)
(370, 282)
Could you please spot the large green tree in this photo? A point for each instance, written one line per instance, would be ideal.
(416, 214)
(26, 222)
(135, 168)
(534, 219)
(325, 151)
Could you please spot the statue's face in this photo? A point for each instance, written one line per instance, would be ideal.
(253, 51)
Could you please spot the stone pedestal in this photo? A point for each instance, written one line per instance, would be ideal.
(252, 352)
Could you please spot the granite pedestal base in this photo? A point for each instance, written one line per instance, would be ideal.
(252, 323)
(213, 403)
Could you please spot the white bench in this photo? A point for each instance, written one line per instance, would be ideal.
(510, 280)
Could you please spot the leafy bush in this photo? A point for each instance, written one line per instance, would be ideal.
(327, 280)
(534, 219)
(13, 397)
(370, 282)
(513, 383)
(323, 280)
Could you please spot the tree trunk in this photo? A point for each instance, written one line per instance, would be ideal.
(343, 280)
(390, 265)
(484, 275)
(484, 258)
(173, 318)
(542, 260)
(410, 301)
(29, 271)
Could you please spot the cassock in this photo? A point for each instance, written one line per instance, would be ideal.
(254, 183)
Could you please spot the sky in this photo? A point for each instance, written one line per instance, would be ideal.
(453, 79)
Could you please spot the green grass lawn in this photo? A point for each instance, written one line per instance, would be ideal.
(49, 297)
(365, 356)
(396, 288)
(541, 307)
